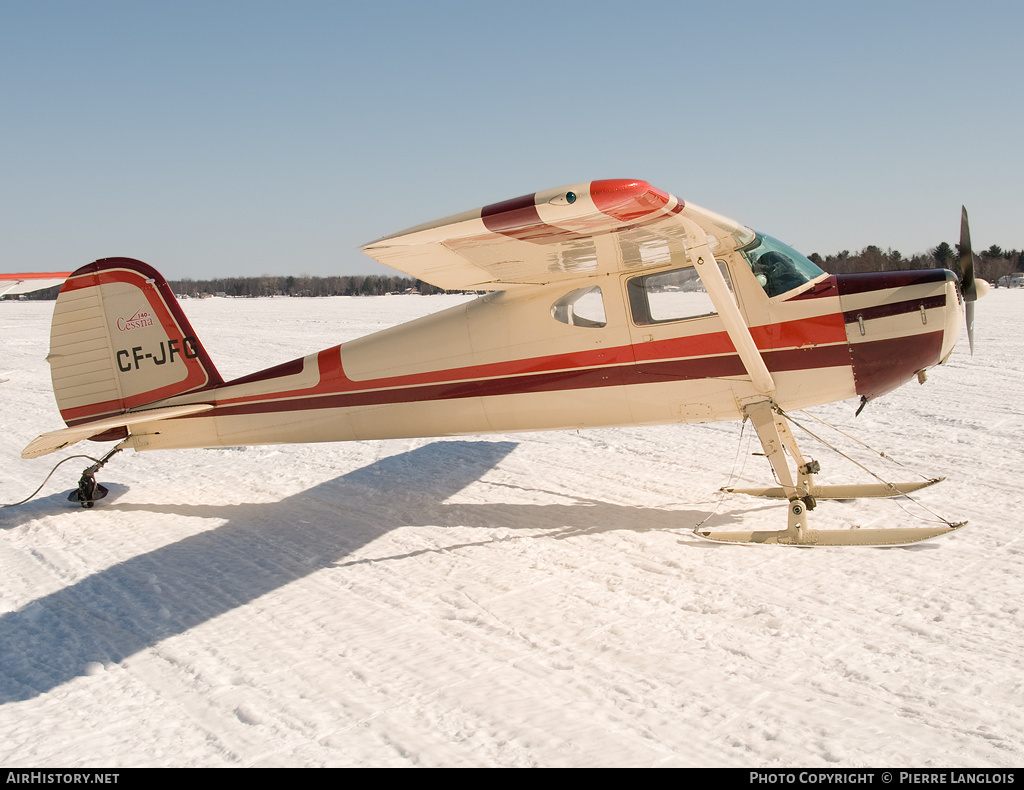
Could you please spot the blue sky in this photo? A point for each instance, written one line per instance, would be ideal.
(246, 138)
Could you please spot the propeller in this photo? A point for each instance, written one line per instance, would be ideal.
(971, 287)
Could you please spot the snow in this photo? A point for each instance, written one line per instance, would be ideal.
(513, 600)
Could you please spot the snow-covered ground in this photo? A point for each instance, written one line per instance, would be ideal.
(513, 600)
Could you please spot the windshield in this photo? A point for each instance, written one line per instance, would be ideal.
(777, 266)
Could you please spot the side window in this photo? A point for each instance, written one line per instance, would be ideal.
(582, 307)
(675, 295)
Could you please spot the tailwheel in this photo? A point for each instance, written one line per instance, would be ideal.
(89, 491)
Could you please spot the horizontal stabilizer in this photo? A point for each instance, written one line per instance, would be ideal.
(55, 440)
(865, 491)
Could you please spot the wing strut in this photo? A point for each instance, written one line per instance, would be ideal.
(777, 440)
(739, 333)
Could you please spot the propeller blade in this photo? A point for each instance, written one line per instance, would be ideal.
(970, 286)
(969, 313)
(966, 269)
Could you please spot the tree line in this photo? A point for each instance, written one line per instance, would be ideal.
(993, 265)
(267, 285)
(341, 285)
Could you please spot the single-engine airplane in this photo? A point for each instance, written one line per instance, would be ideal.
(590, 319)
(27, 282)
(30, 281)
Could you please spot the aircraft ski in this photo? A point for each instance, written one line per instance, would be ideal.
(853, 491)
(607, 303)
(795, 536)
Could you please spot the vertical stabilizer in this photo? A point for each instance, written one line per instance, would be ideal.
(119, 340)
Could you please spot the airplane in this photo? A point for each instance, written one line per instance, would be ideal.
(605, 303)
(28, 282)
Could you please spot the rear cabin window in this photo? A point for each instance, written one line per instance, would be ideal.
(676, 295)
(582, 307)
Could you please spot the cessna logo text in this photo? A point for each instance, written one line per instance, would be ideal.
(137, 321)
(133, 359)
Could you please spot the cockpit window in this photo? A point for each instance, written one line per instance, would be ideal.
(777, 266)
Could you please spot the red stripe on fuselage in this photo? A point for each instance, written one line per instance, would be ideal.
(724, 366)
(785, 347)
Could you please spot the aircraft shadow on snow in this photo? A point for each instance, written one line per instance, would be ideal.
(135, 604)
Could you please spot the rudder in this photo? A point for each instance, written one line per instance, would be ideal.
(119, 340)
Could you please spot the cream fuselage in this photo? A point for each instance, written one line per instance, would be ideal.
(504, 363)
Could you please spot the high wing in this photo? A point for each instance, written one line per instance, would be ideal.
(578, 231)
(27, 282)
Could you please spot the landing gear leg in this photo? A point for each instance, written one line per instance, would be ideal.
(802, 492)
(776, 438)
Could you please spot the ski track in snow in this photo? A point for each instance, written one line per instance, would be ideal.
(515, 600)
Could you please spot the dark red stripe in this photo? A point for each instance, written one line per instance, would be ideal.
(730, 365)
(689, 369)
(589, 378)
(882, 365)
(820, 290)
(894, 308)
(292, 368)
(872, 281)
(807, 358)
(518, 218)
(546, 382)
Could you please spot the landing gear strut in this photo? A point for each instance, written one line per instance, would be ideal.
(803, 492)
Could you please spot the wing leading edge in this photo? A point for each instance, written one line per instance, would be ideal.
(573, 232)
